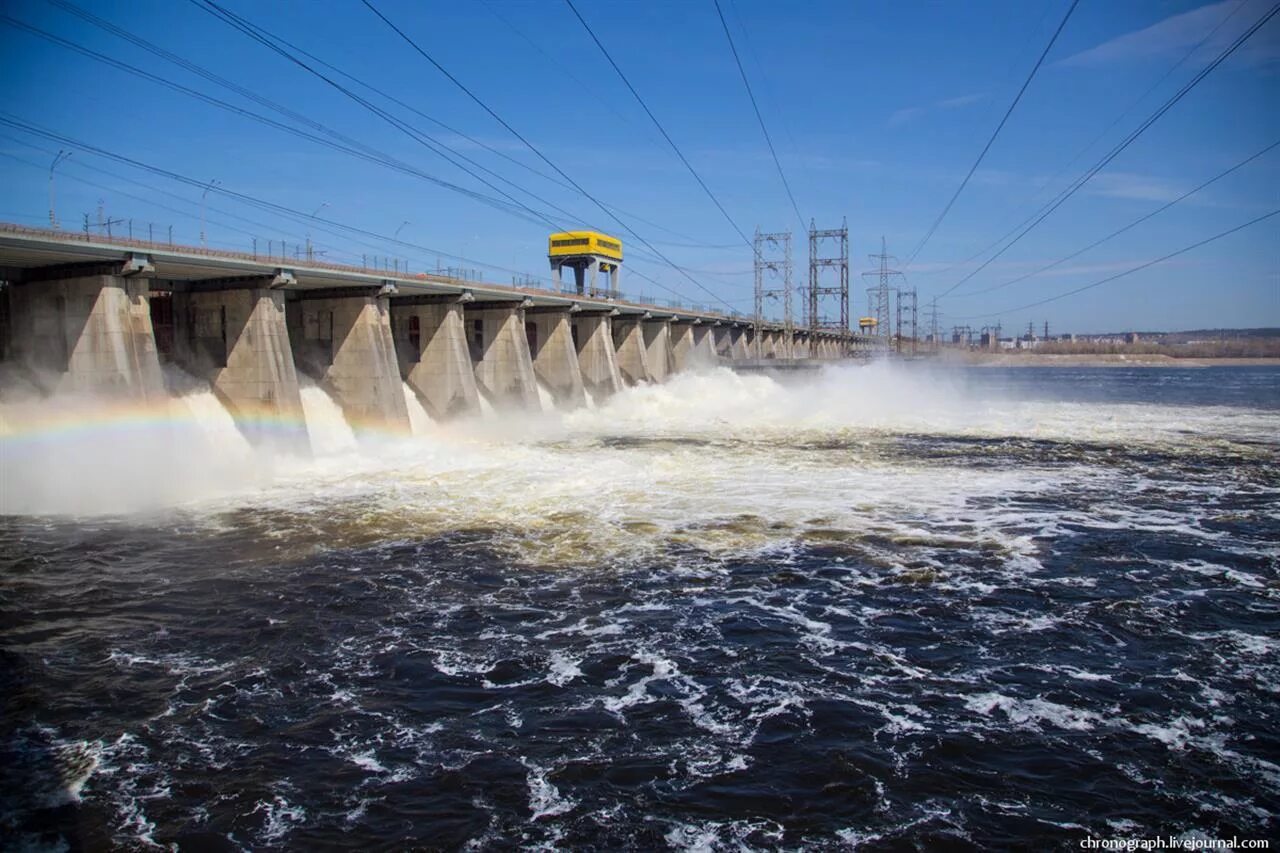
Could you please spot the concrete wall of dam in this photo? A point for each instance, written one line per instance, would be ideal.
(656, 335)
(628, 342)
(89, 333)
(106, 326)
(499, 343)
(555, 355)
(431, 345)
(238, 340)
(692, 346)
(345, 343)
(597, 358)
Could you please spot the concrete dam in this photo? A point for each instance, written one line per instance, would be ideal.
(83, 315)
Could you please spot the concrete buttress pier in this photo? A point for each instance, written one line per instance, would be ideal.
(692, 346)
(628, 342)
(86, 328)
(499, 345)
(722, 342)
(342, 337)
(704, 346)
(657, 345)
(234, 334)
(431, 345)
(768, 344)
(101, 314)
(555, 356)
(593, 335)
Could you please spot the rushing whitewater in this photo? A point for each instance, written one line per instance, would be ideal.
(872, 605)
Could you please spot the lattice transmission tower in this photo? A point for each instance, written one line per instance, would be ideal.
(773, 259)
(879, 299)
(934, 330)
(912, 299)
(827, 291)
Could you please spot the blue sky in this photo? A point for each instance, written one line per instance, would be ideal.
(877, 111)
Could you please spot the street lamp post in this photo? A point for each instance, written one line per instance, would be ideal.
(314, 214)
(62, 155)
(213, 182)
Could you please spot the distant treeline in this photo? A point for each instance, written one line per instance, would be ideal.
(1242, 347)
(1182, 337)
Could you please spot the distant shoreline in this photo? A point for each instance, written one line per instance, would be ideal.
(1034, 359)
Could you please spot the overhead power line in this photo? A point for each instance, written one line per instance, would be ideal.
(737, 60)
(351, 146)
(247, 93)
(1119, 117)
(262, 37)
(1120, 231)
(661, 129)
(1018, 97)
(336, 140)
(475, 98)
(116, 191)
(598, 98)
(253, 201)
(266, 38)
(431, 141)
(1125, 143)
(1132, 270)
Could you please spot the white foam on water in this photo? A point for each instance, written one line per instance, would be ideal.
(710, 835)
(545, 397)
(326, 425)
(545, 800)
(1175, 734)
(367, 761)
(279, 817)
(419, 421)
(562, 669)
(209, 414)
(721, 462)
(1030, 713)
(638, 692)
(84, 455)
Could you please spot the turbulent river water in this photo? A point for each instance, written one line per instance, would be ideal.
(891, 607)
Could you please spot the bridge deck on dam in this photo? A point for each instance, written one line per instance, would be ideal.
(23, 249)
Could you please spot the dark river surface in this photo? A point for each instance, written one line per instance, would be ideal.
(880, 608)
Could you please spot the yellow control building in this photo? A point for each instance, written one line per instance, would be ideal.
(587, 253)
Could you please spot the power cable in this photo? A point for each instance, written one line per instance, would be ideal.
(1025, 83)
(259, 35)
(347, 145)
(431, 142)
(1130, 271)
(741, 71)
(161, 52)
(658, 124)
(286, 212)
(586, 87)
(1120, 231)
(533, 148)
(1120, 117)
(253, 201)
(1125, 143)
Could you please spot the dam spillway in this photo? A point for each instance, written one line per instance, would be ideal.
(100, 317)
